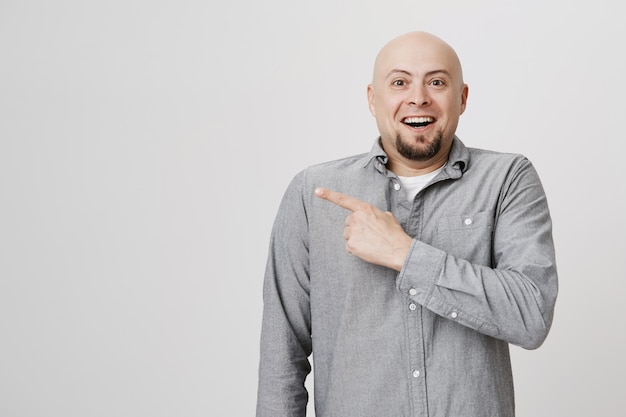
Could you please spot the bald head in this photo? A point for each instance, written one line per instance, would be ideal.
(413, 46)
(417, 95)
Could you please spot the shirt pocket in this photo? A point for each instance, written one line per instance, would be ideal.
(467, 236)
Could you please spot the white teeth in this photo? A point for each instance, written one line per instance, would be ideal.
(418, 120)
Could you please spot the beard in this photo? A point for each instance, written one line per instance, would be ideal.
(415, 152)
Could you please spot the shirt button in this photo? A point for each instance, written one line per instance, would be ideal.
(454, 314)
(396, 186)
(412, 291)
(468, 221)
(412, 307)
(416, 374)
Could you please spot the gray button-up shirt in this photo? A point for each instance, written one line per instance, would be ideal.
(431, 340)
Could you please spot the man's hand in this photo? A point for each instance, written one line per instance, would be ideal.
(371, 234)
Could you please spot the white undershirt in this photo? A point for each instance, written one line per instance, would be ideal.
(413, 185)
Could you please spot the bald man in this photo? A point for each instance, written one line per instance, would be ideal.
(406, 272)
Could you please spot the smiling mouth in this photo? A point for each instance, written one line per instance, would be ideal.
(418, 121)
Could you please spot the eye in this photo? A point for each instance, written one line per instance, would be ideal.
(398, 83)
(438, 83)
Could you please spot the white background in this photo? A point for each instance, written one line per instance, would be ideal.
(145, 145)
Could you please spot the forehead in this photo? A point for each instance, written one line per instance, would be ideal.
(416, 56)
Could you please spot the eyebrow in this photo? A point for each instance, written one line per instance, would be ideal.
(429, 73)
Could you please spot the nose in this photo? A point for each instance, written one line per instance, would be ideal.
(418, 95)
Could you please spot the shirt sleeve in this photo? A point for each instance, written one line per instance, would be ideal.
(513, 299)
(286, 328)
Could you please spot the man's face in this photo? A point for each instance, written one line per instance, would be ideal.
(417, 96)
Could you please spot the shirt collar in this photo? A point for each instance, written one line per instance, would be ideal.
(376, 155)
(458, 159)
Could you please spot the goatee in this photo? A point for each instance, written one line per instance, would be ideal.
(417, 153)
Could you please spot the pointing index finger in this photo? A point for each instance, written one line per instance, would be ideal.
(342, 200)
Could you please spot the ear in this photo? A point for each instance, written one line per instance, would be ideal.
(464, 93)
(370, 99)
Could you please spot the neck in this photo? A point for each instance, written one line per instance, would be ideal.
(407, 168)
